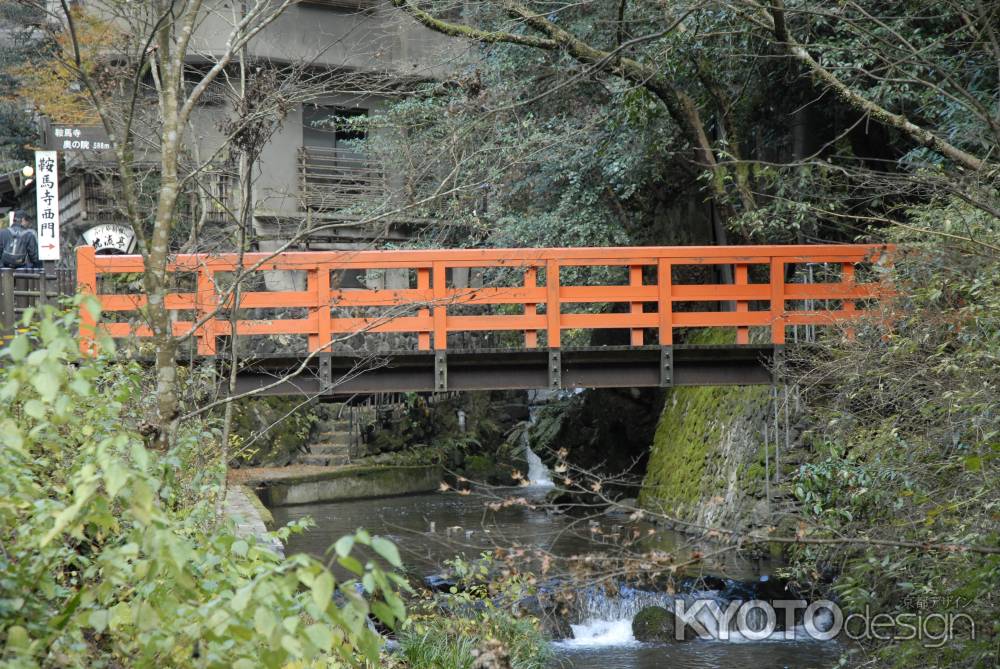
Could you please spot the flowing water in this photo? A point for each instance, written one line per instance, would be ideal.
(538, 473)
(431, 528)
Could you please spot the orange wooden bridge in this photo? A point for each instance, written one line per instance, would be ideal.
(534, 307)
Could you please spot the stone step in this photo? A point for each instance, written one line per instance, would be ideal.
(324, 461)
(333, 437)
(341, 425)
(329, 449)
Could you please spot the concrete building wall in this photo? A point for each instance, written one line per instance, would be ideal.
(381, 43)
(382, 38)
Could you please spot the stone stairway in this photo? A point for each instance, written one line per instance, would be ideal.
(330, 446)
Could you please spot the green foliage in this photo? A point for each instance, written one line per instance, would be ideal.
(423, 433)
(910, 443)
(16, 124)
(411, 425)
(270, 430)
(453, 642)
(474, 618)
(115, 555)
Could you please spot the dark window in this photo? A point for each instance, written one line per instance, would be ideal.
(331, 127)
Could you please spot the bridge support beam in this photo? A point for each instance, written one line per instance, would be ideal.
(666, 366)
(590, 367)
(440, 371)
(325, 373)
(555, 369)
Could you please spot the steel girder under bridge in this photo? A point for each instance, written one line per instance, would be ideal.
(534, 296)
(504, 369)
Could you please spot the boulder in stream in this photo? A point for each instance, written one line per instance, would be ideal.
(658, 624)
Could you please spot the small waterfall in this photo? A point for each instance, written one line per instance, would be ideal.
(538, 474)
(602, 633)
(607, 620)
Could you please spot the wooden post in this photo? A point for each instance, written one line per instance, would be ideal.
(86, 284)
(324, 320)
(664, 282)
(439, 290)
(530, 308)
(553, 310)
(423, 283)
(635, 308)
(742, 306)
(777, 301)
(848, 306)
(43, 285)
(205, 303)
(7, 301)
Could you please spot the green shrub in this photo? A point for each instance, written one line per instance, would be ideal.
(476, 616)
(114, 554)
(909, 444)
(270, 430)
(451, 642)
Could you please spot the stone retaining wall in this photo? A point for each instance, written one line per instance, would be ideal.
(351, 483)
(251, 517)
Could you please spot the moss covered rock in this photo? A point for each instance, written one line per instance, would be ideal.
(657, 624)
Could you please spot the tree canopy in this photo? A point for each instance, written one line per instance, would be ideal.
(601, 121)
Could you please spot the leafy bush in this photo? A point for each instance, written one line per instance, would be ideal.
(476, 617)
(909, 448)
(113, 554)
(453, 642)
(270, 430)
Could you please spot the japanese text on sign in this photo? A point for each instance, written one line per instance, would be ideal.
(88, 141)
(47, 202)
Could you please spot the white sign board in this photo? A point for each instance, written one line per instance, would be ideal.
(47, 203)
(110, 237)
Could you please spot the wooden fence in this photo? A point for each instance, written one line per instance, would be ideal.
(20, 289)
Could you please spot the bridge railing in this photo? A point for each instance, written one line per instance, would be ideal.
(657, 298)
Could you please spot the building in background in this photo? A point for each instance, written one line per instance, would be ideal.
(312, 171)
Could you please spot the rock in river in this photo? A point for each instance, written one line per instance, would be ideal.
(655, 623)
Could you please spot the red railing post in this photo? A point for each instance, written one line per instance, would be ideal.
(423, 284)
(742, 306)
(318, 284)
(777, 300)
(848, 307)
(440, 311)
(206, 303)
(553, 310)
(665, 304)
(530, 308)
(635, 308)
(86, 284)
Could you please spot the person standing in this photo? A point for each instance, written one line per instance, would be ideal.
(19, 244)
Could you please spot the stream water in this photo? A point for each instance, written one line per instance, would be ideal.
(431, 528)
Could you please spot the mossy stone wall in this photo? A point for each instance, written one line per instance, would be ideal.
(703, 465)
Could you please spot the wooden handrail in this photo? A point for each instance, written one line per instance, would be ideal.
(424, 310)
